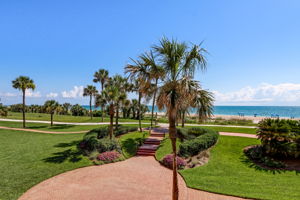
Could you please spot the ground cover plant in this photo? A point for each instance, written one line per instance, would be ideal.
(230, 172)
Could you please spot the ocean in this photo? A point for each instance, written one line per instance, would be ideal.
(264, 111)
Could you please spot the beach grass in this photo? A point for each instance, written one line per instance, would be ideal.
(230, 172)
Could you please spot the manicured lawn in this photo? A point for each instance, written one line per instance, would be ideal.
(230, 172)
(29, 158)
(230, 129)
(63, 118)
(57, 127)
(131, 141)
(165, 148)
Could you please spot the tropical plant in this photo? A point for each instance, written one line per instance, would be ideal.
(204, 103)
(3, 110)
(91, 92)
(179, 62)
(139, 74)
(66, 108)
(78, 110)
(51, 107)
(101, 76)
(23, 83)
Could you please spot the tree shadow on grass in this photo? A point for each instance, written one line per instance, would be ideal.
(61, 126)
(73, 154)
(259, 167)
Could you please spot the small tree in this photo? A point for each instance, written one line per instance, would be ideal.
(51, 107)
(91, 92)
(23, 83)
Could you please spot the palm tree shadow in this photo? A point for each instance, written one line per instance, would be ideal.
(73, 154)
(259, 167)
(131, 145)
(61, 126)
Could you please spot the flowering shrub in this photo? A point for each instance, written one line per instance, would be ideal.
(108, 156)
(168, 162)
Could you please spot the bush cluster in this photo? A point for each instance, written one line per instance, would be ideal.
(196, 140)
(3, 111)
(257, 154)
(280, 137)
(120, 130)
(109, 156)
(168, 162)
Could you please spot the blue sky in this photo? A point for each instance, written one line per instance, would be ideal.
(253, 45)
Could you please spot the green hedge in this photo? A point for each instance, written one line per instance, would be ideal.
(196, 140)
(280, 137)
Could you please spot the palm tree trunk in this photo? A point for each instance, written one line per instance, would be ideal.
(102, 107)
(183, 118)
(24, 125)
(153, 103)
(111, 113)
(91, 114)
(51, 119)
(173, 137)
(117, 115)
(140, 120)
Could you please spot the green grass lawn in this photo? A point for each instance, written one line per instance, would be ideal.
(131, 141)
(230, 172)
(29, 158)
(63, 118)
(228, 129)
(57, 127)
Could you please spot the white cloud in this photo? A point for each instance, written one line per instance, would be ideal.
(8, 94)
(285, 93)
(52, 95)
(30, 93)
(76, 92)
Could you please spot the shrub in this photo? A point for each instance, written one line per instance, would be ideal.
(168, 162)
(257, 154)
(280, 137)
(92, 143)
(98, 133)
(3, 111)
(120, 130)
(78, 110)
(196, 140)
(109, 156)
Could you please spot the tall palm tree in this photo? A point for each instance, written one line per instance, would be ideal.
(179, 62)
(156, 73)
(23, 83)
(101, 76)
(51, 107)
(204, 103)
(139, 74)
(90, 91)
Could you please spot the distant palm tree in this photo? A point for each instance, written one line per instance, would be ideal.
(139, 74)
(204, 103)
(101, 76)
(66, 107)
(91, 92)
(179, 62)
(156, 73)
(23, 83)
(51, 107)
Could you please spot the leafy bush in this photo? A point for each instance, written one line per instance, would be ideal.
(257, 154)
(168, 162)
(196, 140)
(109, 156)
(92, 143)
(78, 110)
(280, 137)
(120, 130)
(3, 111)
(17, 108)
(98, 133)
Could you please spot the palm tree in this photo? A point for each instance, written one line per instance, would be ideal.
(139, 73)
(51, 107)
(66, 107)
(101, 76)
(110, 95)
(179, 62)
(156, 73)
(23, 83)
(90, 91)
(204, 103)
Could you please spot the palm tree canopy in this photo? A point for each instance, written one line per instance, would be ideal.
(51, 106)
(23, 83)
(101, 76)
(90, 90)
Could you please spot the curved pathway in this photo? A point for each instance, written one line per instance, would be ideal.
(133, 179)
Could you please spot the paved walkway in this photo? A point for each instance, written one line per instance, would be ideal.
(106, 123)
(133, 179)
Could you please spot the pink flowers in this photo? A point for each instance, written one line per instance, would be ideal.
(108, 156)
(168, 162)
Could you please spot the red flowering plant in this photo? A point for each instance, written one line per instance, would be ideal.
(168, 162)
(108, 156)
